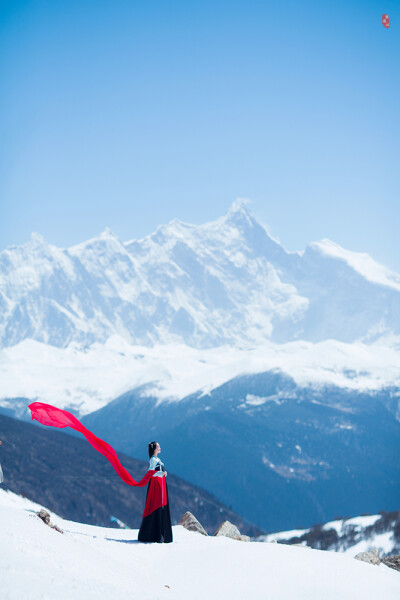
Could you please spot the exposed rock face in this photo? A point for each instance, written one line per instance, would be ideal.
(229, 530)
(190, 522)
(392, 561)
(371, 557)
(45, 516)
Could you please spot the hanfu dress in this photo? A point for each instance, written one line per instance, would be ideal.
(1, 474)
(156, 523)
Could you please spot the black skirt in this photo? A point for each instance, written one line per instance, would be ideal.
(156, 526)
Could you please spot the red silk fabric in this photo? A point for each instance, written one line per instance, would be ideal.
(47, 414)
(156, 495)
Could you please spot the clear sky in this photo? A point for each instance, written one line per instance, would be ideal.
(127, 114)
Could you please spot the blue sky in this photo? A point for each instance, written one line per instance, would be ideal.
(127, 114)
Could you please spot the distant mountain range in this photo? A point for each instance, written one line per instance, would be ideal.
(226, 282)
(350, 535)
(65, 474)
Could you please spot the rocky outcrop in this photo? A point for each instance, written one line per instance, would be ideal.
(229, 530)
(45, 517)
(392, 561)
(189, 521)
(371, 557)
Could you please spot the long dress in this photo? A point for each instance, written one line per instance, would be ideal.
(156, 523)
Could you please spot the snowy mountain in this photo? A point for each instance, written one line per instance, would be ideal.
(87, 562)
(350, 536)
(225, 282)
(216, 337)
(87, 379)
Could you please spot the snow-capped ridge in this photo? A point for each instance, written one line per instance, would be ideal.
(359, 261)
(347, 535)
(79, 376)
(106, 237)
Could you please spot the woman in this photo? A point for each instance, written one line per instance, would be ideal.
(1, 472)
(156, 524)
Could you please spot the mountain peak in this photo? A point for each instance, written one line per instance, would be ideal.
(239, 205)
(239, 214)
(107, 233)
(36, 239)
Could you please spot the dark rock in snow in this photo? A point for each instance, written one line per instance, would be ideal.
(392, 561)
(45, 517)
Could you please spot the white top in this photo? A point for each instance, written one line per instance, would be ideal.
(154, 462)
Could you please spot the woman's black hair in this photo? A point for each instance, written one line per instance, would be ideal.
(152, 447)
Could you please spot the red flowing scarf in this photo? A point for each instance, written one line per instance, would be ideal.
(47, 414)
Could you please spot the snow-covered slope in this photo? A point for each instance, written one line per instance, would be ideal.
(360, 262)
(223, 282)
(91, 562)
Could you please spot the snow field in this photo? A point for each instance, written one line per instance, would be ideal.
(87, 379)
(89, 562)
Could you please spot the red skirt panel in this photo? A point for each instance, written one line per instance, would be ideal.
(156, 496)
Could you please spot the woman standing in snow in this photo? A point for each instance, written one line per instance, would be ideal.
(1, 472)
(156, 523)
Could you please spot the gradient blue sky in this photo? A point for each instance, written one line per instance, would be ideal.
(127, 114)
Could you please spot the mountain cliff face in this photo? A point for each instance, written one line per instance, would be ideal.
(223, 282)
